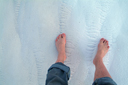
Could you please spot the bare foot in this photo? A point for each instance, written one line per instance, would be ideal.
(60, 45)
(102, 50)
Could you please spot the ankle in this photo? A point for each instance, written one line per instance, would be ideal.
(98, 61)
(62, 61)
(61, 57)
(61, 53)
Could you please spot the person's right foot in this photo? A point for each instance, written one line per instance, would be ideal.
(102, 50)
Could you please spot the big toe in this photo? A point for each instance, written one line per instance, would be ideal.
(101, 40)
(63, 36)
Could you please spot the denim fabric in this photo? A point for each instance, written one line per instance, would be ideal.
(104, 81)
(58, 74)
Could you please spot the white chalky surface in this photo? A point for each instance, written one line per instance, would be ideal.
(28, 29)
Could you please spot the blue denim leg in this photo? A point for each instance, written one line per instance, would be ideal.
(104, 81)
(58, 74)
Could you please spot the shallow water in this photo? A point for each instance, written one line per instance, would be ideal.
(28, 29)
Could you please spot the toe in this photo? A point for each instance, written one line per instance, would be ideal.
(64, 36)
(107, 43)
(104, 41)
(101, 40)
(59, 36)
(107, 46)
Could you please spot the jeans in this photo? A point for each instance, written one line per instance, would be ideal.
(59, 74)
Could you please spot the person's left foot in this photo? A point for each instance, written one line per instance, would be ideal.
(60, 45)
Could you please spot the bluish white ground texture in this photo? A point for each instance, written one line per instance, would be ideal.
(28, 29)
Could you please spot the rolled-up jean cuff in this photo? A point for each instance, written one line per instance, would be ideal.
(62, 67)
(104, 81)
